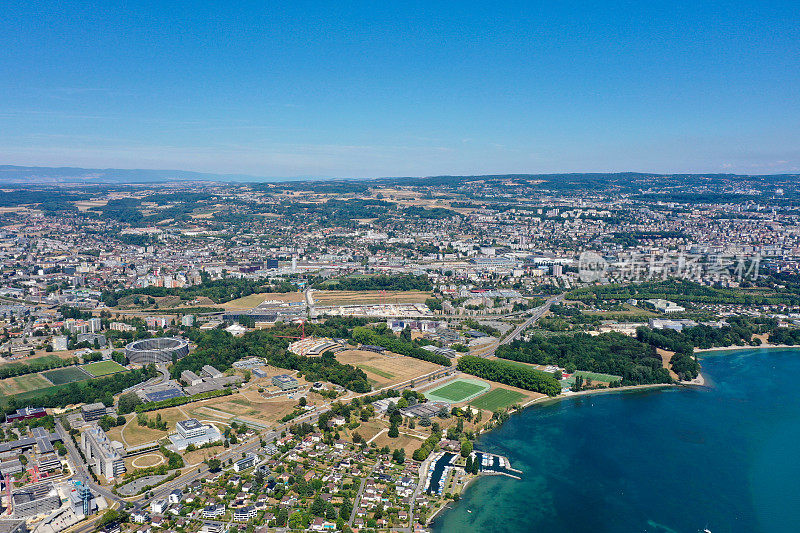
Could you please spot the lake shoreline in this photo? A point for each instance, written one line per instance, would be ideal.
(736, 347)
(699, 381)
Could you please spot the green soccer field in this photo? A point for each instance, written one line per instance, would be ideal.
(596, 376)
(69, 374)
(457, 391)
(497, 399)
(103, 368)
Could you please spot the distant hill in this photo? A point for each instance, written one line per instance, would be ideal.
(10, 174)
(20, 175)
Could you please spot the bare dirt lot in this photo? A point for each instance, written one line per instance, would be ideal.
(253, 300)
(384, 370)
(248, 405)
(328, 298)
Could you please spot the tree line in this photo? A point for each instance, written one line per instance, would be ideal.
(219, 290)
(35, 365)
(220, 349)
(510, 374)
(608, 353)
(93, 390)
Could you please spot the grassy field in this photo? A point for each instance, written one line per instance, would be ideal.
(497, 399)
(406, 442)
(103, 368)
(134, 434)
(26, 383)
(69, 374)
(595, 376)
(49, 358)
(457, 391)
(386, 369)
(382, 373)
(37, 393)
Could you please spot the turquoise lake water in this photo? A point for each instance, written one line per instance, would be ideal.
(666, 460)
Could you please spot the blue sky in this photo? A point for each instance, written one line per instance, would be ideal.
(351, 89)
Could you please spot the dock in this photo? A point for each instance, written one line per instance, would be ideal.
(442, 466)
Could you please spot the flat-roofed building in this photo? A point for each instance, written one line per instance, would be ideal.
(248, 461)
(34, 500)
(13, 526)
(93, 411)
(193, 432)
(101, 453)
(49, 462)
(285, 382)
(26, 413)
(190, 378)
(211, 372)
(59, 343)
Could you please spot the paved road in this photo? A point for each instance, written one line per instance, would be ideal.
(81, 470)
(357, 500)
(536, 314)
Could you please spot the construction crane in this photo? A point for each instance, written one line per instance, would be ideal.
(302, 334)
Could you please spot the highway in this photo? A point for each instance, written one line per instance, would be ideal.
(535, 314)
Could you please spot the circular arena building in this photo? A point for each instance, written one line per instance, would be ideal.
(158, 350)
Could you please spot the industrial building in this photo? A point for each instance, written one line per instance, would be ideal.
(35, 499)
(211, 372)
(25, 413)
(190, 378)
(40, 438)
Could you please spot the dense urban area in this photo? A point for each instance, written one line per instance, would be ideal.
(322, 356)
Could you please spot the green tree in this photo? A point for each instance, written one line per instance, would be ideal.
(466, 448)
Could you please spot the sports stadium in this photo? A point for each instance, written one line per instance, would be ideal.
(159, 350)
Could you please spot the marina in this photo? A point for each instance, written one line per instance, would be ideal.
(443, 466)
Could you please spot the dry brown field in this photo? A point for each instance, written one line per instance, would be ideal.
(144, 461)
(198, 456)
(332, 298)
(406, 442)
(88, 204)
(253, 300)
(385, 370)
(367, 430)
